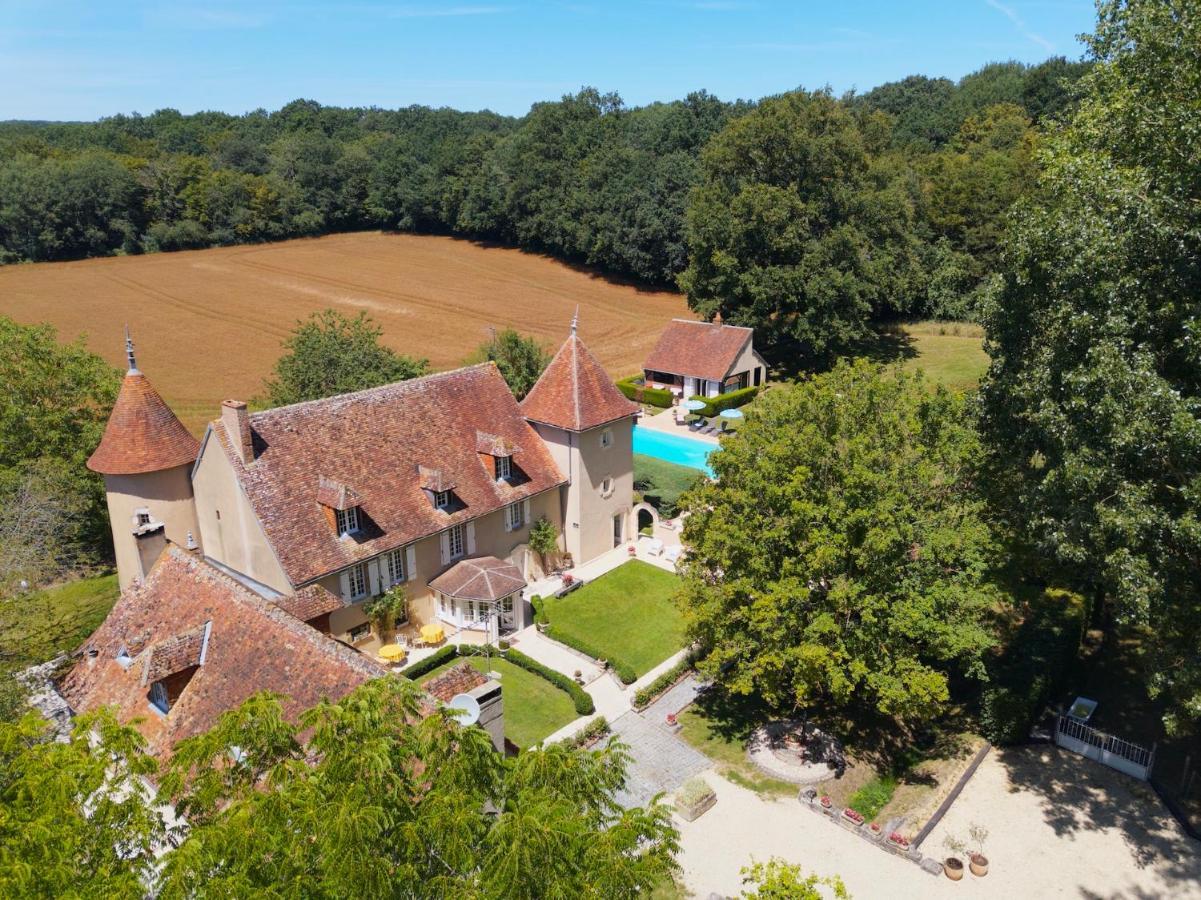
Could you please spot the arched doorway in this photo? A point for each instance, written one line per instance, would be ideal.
(644, 515)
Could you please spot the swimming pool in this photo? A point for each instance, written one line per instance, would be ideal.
(674, 448)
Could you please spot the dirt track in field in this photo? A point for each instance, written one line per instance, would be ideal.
(208, 323)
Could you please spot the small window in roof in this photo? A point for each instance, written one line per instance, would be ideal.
(441, 499)
(504, 467)
(347, 520)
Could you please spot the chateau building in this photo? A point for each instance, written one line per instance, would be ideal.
(294, 517)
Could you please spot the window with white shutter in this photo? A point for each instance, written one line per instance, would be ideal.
(456, 543)
(356, 582)
(394, 567)
(514, 516)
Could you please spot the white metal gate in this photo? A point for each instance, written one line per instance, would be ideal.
(1104, 748)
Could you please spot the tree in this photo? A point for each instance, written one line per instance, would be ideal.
(778, 880)
(520, 359)
(385, 610)
(43, 525)
(57, 398)
(392, 804)
(544, 540)
(841, 554)
(74, 816)
(795, 230)
(1092, 403)
(330, 353)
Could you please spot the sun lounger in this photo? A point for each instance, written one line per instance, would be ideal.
(671, 554)
(654, 547)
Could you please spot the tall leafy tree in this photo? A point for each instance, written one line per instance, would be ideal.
(795, 231)
(393, 805)
(1092, 404)
(841, 556)
(520, 359)
(330, 353)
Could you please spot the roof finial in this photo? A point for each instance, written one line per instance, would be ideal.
(133, 366)
(575, 320)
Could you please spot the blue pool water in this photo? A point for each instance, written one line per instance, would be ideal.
(673, 448)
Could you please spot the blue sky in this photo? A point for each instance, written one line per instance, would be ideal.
(81, 60)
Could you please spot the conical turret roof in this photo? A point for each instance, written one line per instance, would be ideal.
(143, 434)
(575, 392)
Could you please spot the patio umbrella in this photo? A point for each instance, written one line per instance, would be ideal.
(392, 652)
(731, 413)
(693, 405)
(432, 633)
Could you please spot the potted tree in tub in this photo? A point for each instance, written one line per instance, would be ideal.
(952, 866)
(977, 861)
(384, 611)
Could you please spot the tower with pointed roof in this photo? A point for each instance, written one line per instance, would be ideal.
(588, 426)
(145, 456)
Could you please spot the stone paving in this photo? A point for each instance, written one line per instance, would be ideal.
(661, 761)
(674, 700)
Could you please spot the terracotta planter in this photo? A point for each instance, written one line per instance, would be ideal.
(952, 867)
(978, 863)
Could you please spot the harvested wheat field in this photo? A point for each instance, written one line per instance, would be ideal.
(208, 323)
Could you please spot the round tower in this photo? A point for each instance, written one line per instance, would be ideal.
(146, 457)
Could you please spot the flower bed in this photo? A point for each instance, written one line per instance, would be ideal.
(851, 816)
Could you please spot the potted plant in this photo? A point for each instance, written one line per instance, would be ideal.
(826, 801)
(853, 816)
(874, 829)
(544, 540)
(898, 840)
(977, 861)
(671, 719)
(384, 611)
(952, 866)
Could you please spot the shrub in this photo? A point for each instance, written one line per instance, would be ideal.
(644, 696)
(873, 796)
(594, 729)
(642, 394)
(693, 791)
(583, 702)
(624, 671)
(731, 400)
(1036, 665)
(415, 671)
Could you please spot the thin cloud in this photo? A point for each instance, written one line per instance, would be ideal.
(206, 18)
(430, 12)
(1013, 17)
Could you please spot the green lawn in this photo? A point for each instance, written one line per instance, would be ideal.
(725, 744)
(534, 708)
(37, 627)
(950, 353)
(626, 614)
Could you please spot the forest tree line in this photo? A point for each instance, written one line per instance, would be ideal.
(585, 178)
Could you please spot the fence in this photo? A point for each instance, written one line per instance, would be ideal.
(1114, 752)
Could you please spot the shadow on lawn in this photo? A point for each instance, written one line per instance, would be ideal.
(1078, 795)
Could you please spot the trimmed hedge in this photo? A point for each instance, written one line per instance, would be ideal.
(624, 671)
(422, 667)
(582, 700)
(1036, 666)
(640, 393)
(645, 696)
(732, 400)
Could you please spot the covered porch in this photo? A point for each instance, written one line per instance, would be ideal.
(481, 597)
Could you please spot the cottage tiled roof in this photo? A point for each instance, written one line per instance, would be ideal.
(434, 479)
(458, 679)
(309, 602)
(700, 349)
(142, 434)
(252, 646)
(480, 578)
(376, 440)
(575, 392)
(336, 495)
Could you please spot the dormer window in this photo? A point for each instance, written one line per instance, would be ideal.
(143, 519)
(124, 660)
(504, 467)
(347, 521)
(158, 697)
(441, 499)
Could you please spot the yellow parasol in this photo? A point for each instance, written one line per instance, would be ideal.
(432, 633)
(392, 652)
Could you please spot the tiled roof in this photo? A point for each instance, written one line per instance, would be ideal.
(575, 392)
(142, 434)
(252, 646)
(458, 679)
(494, 445)
(336, 495)
(434, 479)
(699, 349)
(309, 602)
(174, 654)
(481, 578)
(376, 440)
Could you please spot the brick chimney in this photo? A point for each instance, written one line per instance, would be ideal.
(236, 420)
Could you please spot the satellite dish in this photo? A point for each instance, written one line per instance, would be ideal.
(469, 709)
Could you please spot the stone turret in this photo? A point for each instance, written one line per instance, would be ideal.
(587, 424)
(145, 456)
